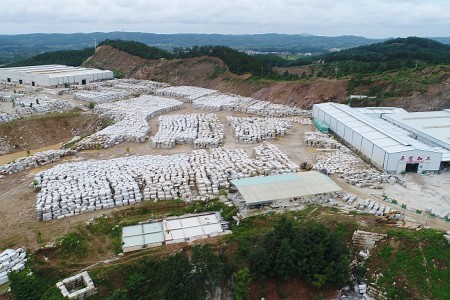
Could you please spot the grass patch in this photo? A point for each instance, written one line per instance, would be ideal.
(217, 71)
(417, 262)
(73, 245)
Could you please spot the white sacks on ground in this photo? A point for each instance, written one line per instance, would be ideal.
(254, 130)
(202, 130)
(131, 117)
(73, 188)
(11, 260)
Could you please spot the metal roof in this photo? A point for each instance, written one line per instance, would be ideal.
(53, 71)
(433, 126)
(142, 234)
(173, 229)
(388, 135)
(380, 110)
(259, 190)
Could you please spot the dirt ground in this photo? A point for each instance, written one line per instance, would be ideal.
(17, 199)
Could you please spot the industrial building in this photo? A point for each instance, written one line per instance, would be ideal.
(387, 146)
(172, 230)
(53, 75)
(429, 127)
(257, 191)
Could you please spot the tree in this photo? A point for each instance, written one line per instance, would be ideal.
(241, 284)
(207, 264)
(24, 286)
(311, 251)
(180, 279)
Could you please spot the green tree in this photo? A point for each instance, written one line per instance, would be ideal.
(241, 284)
(24, 286)
(208, 265)
(180, 279)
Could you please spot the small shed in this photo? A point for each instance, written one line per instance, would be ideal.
(264, 190)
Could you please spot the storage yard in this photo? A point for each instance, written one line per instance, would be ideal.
(188, 143)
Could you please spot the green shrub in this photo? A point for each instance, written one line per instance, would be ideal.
(73, 245)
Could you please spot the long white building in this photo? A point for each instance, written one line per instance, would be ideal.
(384, 144)
(53, 75)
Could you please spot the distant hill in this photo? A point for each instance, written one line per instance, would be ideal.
(401, 49)
(16, 47)
(393, 54)
(63, 57)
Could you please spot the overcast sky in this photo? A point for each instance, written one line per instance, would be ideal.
(371, 18)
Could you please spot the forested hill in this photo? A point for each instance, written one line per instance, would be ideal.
(411, 52)
(63, 57)
(237, 62)
(394, 54)
(17, 47)
(406, 50)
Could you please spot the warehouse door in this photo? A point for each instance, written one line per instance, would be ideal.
(83, 81)
(8, 80)
(412, 168)
(33, 83)
(20, 81)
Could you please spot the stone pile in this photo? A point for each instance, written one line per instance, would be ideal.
(35, 160)
(185, 93)
(77, 287)
(230, 102)
(5, 147)
(320, 140)
(101, 95)
(367, 240)
(8, 97)
(74, 188)
(131, 117)
(202, 130)
(11, 260)
(5, 117)
(138, 86)
(345, 164)
(276, 161)
(299, 120)
(29, 90)
(255, 130)
(40, 104)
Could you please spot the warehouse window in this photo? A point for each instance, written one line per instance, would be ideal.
(412, 168)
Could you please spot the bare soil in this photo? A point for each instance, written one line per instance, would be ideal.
(294, 289)
(46, 130)
(202, 71)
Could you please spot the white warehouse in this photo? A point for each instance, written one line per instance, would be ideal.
(386, 146)
(53, 75)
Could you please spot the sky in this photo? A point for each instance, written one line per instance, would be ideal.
(371, 18)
